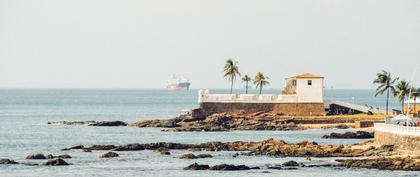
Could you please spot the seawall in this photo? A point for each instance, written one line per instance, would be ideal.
(406, 138)
(299, 109)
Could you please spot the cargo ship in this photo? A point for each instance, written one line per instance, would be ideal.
(178, 83)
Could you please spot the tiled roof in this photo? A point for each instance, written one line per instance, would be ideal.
(306, 75)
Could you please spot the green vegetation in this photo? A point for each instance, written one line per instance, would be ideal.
(231, 71)
(402, 89)
(246, 79)
(260, 81)
(386, 84)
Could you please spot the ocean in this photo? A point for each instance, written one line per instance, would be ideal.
(24, 114)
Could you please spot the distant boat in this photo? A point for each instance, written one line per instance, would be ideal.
(178, 83)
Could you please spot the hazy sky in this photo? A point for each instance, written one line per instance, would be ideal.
(140, 43)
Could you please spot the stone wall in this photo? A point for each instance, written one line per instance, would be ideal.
(405, 142)
(300, 109)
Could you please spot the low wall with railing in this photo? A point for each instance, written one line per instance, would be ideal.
(204, 96)
(403, 137)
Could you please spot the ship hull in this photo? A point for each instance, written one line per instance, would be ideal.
(179, 86)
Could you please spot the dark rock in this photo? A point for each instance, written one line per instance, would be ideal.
(129, 147)
(87, 150)
(50, 156)
(203, 156)
(350, 135)
(8, 161)
(37, 156)
(74, 147)
(165, 153)
(57, 162)
(290, 164)
(101, 147)
(188, 156)
(196, 166)
(109, 123)
(64, 156)
(226, 167)
(110, 155)
(383, 163)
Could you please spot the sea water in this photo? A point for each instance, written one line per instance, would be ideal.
(24, 114)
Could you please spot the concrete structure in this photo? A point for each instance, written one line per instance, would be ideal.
(341, 107)
(302, 95)
(407, 138)
(414, 107)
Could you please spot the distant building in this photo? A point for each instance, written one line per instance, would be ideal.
(303, 95)
(414, 107)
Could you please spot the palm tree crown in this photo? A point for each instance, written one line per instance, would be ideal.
(402, 89)
(231, 71)
(246, 79)
(260, 81)
(386, 84)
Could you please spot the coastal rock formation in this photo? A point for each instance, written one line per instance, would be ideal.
(192, 156)
(350, 135)
(268, 147)
(8, 162)
(64, 156)
(290, 164)
(196, 166)
(57, 162)
(384, 163)
(222, 122)
(38, 156)
(74, 147)
(222, 167)
(110, 155)
(91, 123)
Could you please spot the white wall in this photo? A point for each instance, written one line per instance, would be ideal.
(310, 93)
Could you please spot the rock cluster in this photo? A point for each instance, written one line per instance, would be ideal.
(39, 156)
(110, 155)
(222, 167)
(92, 123)
(57, 162)
(7, 162)
(384, 163)
(192, 156)
(350, 135)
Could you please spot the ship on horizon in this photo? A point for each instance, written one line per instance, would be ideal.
(178, 83)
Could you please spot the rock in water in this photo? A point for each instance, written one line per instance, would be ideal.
(57, 162)
(203, 156)
(226, 167)
(7, 161)
(110, 155)
(350, 135)
(196, 166)
(290, 164)
(74, 147)
(188, 156)
(64, 156)
(37, 156)
(109, 123)
(129, 147)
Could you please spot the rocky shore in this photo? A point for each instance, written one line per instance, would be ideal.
(92, 123)
(350, 135)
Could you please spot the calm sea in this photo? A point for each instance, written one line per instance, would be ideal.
(24, 114)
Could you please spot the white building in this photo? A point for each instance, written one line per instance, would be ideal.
(308, 88)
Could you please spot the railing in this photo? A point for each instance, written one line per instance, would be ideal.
(397, 129)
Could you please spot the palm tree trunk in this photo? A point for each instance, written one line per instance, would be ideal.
(415, 111)
(231, 86)
(387, 99)
(246, 89)
(260, 89)
(402, 106)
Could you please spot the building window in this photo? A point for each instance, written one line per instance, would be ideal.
(294, 83)
(309, 82)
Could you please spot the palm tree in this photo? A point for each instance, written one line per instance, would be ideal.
(260, 81)
(246, 79)
(415, 92)
(386, 84)
(231, 71)
(402, 89)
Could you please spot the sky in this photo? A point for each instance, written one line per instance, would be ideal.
(141, 43)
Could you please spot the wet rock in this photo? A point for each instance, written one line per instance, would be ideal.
(188, 156)
(226, 167)
(8, 162)
(384, 163)
(165, 153)
(290, 164)
(74, 147)
(37, 156)
(110, 155)
(130, 147)
(102, 147)
(57, 162)
(109, 123)
(73, 122)
(64, 156)
(350, 135)
(203, 156)
(196, 166)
